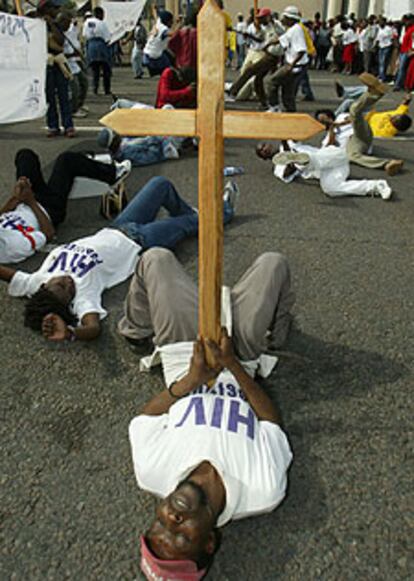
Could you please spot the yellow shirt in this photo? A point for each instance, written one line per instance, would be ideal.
(229, 24)
(380, 122)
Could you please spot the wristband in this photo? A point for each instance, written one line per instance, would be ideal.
(72, 335)
(172, 394)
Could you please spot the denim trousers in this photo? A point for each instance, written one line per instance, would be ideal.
(399, 81)
(384, 57)
(57, 86)
(136, 61)
(138, 219)
(142, 150)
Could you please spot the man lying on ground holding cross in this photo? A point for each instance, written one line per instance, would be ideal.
(65, 293)
(213, 454)
(30, 216)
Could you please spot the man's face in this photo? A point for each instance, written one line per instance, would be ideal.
(63, 287)
(183, 528)
(265, 150)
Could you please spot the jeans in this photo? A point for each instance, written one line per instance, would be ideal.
(57, 86)
(53, 195)
(136, 61)
(349, 96)
(138, 222)
(156, 66)
(399, 81)
(96, 67)
(241, 55)
(79, 90)
(143, 150)
(384, 56)
(304, 84)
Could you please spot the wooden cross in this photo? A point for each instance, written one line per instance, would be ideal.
(211, 124)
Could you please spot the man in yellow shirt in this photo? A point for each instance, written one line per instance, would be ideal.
(356, 132)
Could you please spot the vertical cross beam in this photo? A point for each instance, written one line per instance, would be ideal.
(211, 49)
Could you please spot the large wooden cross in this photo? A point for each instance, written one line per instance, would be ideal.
(211, 124)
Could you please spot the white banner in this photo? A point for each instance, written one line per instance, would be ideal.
(23, 54)
(394, 9)
(121, 17)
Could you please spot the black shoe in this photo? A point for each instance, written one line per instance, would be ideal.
(339, 89)
(144, 345)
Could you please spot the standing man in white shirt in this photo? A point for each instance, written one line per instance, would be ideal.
(212, 453)
(385, 42)
(98, 54)
(295, 49)
(241, 28)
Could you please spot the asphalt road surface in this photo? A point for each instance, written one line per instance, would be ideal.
(70, 506)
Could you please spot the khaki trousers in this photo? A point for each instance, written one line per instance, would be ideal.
(362, 139)
(162, 302)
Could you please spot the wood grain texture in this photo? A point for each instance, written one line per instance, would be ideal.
(211, 47)
(141, 122)
(249, 125)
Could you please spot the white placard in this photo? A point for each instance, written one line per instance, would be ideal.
(23, 55)
(394, 9)
(121, 17)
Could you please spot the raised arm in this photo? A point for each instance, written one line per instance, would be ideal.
(24, 194)
(258, 399)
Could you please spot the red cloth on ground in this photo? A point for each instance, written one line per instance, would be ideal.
(407, 41)
(348, 53)
(409, 77)
(174, 92)
(183, 44)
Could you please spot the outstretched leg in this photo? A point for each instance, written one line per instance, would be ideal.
(261, 302)
(161, 301)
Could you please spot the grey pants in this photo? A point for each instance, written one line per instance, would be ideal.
(162, 302)
(361, 141)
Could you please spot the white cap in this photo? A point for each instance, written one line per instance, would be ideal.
(291, 12)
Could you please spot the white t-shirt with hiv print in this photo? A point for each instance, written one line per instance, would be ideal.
(217, 426)
(20, 234)
(95, 263)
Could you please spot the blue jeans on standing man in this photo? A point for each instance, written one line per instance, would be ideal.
(399, 81)
(384, 57)
(138, 219)
(57, 86)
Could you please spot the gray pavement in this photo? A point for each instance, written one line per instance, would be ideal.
(70, 507)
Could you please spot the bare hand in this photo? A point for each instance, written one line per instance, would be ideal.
(54, 328)
(23, 191)
(200, 372)
(223, 353)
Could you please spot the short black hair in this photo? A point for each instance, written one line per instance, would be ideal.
(42, 303)
(98, 12)
(403, 122)
(327, 112)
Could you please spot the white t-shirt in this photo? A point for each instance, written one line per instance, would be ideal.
(384, 37)
(95, 28)
(241, 27)
(20, 234)
(218, 426)
(349, 37)
(72, 35)
(95, 263)
(157, 40)
(293, 42)
(253, 44)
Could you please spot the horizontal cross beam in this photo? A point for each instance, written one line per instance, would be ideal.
(236, 124)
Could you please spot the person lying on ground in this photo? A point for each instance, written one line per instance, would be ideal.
(385, 124)
(356, 131)
(329, 165)
(31, 215)
(210, 444)
(65, 292)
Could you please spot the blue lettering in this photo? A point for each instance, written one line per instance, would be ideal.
(231, 390)
(60, 261)
(200, 416)
(217, 413)
(235, 418)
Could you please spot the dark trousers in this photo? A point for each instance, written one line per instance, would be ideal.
(322, 53)
(97, 67)
(288, 83)
(53, 195)
(57, 87)
(257, 70)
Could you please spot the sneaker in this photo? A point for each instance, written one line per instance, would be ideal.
(170, 151)
(394, 166)
(123, 169)
(231, 194)
(227, 86)
(287, 157)
(274, 109)
(383, 189)
(229, 99)
(79, 114)
(84, 108)
(374, 85)
(339, 89)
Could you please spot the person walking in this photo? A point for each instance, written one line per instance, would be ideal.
(98, 54)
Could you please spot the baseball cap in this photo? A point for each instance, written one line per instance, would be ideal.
(263, 12)
(105, 137)
(291, 12)
(165, 570)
